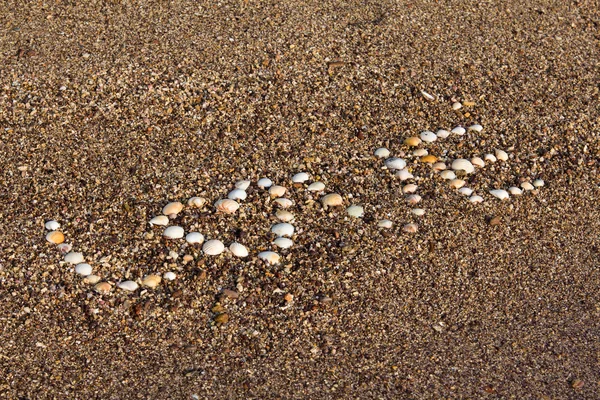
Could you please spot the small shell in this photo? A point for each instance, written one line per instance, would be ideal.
(332, 200)
(490, 158)
(242, 185)
(410, 188)
(74, 258)
(103, 287)
(194, 238)
(284, 215)
(420, 152)
(385, 223)
(382, 152)
(130, 286)
(161, 220)
(459, 130)
(538, 183)
(395, 163)
(515, 191)
(237, 194)
(418, 212)
(477, 162)
(476, 199)
(151, 281)
(172, 208)
(238, 250)
(456, 106)
(439, 166)
(428, 136)
(52, 225)
(283, 202)
(170, 276)
(465, 191)
(283, 243)
(197, 202)
(213, 247)
(403, 174)
(83, 269)
(91, 279)
(56, 237)
(413, 199)
(173, 232)
(410, 228)
(464, 165)
(427, 96)
(316, 186)
(429, 159)
(227, 206)
(476, 128)
(355, 211)
(501, 155)
(269, 256)
(264, 183)
(527, 186)
(277, 191)
(500, 194)
(442, 134)
(283, 229)
(457, 183)
(64, 248)
(412, 141)
(300, 177)
(447, 174)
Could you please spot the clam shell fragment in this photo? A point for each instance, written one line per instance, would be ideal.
(300, 177)
(476, 199)
(237, 194)
(283, 243)
(103, 287)
(477, 162)
(264, 183)
(242, 185)
(410, 188)
(442, 134)
(283, 202)
(476, 128)
(515, 191)
(418, 212)
(447, 174)
(414, 199)
(284, 215)
(459, 130)
(428, 136)
(169, 276)
(527, 186)
(277, 191)
(74, 258)
(412, 141)
(385, 223)
(410, 228)
(538, 183)
(501, 155)
(197, 202)
(403, 174)
(151, 281)
(83, 269)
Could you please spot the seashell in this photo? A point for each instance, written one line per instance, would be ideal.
(56, 237)
(242, 185)
(463, 165)
(237, 194)
(355, 211)
(420, 153)
(172, 208)
(500, 194)
(465, 191)
(130, 286)
(459, 130)
(414, 199)
(91, 279)
(283, 202)
(382, 152)
(395, 163)
(264, 183)
(418, 212)
(213, 247)
(538, 183)
(410, 188)
(300, 177)
(412, 141)
(103, 287)
(527, 186)
(410, 228)
(277, 191)
(478, 162)
(269, 256)
(194, 238)
(283, 229)
(476, 199)
(490, 158)
(439, 166)
(316, 186)
(457, 183)
(385, 223)
(403, 174)
(501, 155)
(52, 225)
(170, 276)
(427, 96)
(74, 258)
(456, 106)
(476, 128)
(284, 215)
(428, 136)
(64, 248)
(227, 206)
(197, 202)
(161, 220)
(83, 269)
(442, 134)
(238, 250)
(151, 281)
(173, 232)
(515, 191)
(332, 200)
(429, 159)
(447, 174)
(283, 243)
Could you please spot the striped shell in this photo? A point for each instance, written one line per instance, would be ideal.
(227, 206)
(238, 250)
(213, 247)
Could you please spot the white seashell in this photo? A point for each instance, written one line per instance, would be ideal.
(92, 279)
(500, 194)
(173, 232)
(418, 212)
(55, 237)
(213, 247)
(456, 106)
(385, 223)
(478, 162)
(242, 185)
(403, 174)
(410, 228)
(237, 194)
(410, 188)
(172, 208)
(419, 153)
(316, 186)
(439, 166)
(476, 199)
(442, 134)
(284, 215)
(283, 243)
(490, 158)
(128, 285)
(83, 269)
(283, 202)
(238, 250)
(457, 183)
(151, 281)
(527, 186)
(463, 165)
(52, 225)
(355, 211)
(161, 220)
(170, 276)
(459, 130)
(501, 155)
(227, 206)
(427, 96)
(395, 163)
(269, 256)
(74, 258)
(194, 238)
(382, 152)
(447, 174)
(283, 229)
(277, 191)
(64, 248)
(465, 191)
(264, 183)
(197, 202)
(538, 183)
(476, 128)
(515, 191)
(428, 136)
(300, 177)
(332, 200)
(414, 199)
